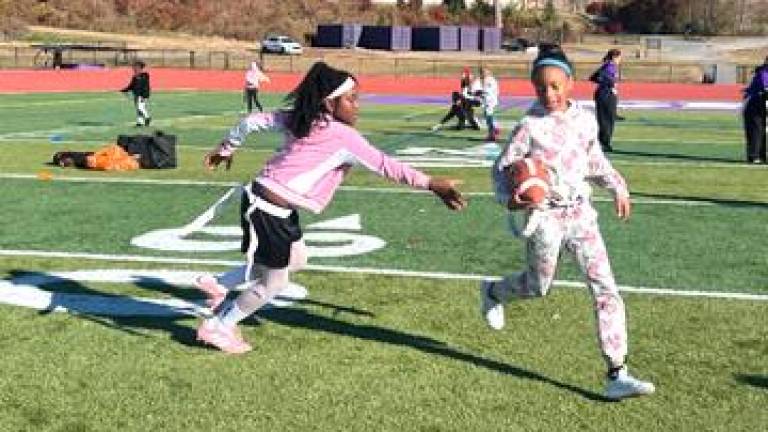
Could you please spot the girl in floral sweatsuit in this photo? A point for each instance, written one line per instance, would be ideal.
(563, 135)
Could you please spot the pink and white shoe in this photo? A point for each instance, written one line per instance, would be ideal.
(227, 339)
(216, 292)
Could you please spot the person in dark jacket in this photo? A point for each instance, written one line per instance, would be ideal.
(606, 100)
(754, 114)
(456, 110)
(469, 99)
(139, 86)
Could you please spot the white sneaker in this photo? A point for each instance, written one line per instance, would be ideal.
(625, 386)
(490, 307)
(437, 127)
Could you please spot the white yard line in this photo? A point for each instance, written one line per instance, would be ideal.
(384, 190)
(369, 271)
(45, 134)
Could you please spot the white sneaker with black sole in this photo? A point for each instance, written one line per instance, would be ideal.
(625, 386)
(491, 308)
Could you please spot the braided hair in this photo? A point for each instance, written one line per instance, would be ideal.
(308, 98)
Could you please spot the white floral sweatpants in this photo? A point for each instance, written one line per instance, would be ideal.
(576, 229)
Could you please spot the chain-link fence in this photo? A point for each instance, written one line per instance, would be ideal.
(28, 57)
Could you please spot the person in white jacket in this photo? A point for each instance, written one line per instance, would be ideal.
(490, 99)
(253, 79)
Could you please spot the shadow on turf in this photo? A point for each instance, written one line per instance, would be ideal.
(677, 156)
(302, 319)
(759, 381)
(291, 317)
(67, 294)
(719, 201)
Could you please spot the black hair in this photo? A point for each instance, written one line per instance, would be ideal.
(549, 51)
(308, 98)
(611, 54)
(139, 64)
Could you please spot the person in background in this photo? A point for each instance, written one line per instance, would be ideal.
(606, 100)
(139, 86)
(253, 79)
(469, 98)
(456, 110)
(490, 100)
(754, 114)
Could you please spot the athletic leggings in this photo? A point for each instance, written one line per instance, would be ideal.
(576, 229)
(252, 98)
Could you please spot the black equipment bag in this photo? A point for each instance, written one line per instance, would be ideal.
(155, 151)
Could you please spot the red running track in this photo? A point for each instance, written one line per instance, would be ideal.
(30, 81)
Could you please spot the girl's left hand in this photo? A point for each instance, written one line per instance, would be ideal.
(623, 207)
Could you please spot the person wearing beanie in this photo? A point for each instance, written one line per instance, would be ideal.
(321, 146)
(562, 135)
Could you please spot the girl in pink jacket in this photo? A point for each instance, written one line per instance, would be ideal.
(321, 145)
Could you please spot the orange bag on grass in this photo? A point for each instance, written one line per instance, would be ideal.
(112, 158)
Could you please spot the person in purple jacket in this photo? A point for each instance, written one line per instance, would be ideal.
(754, 114)
(321, 146)
(606, 99)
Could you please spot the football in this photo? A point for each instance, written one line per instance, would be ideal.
(530, 179)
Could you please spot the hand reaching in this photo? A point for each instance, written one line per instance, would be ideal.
(517, 203)
(215, 157)
(623, 207)
(446, 190)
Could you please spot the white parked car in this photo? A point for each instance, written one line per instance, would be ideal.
(281, 45)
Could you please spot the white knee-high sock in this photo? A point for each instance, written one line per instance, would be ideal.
(231, 315)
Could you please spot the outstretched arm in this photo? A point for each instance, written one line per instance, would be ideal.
(445, 189)
(602, 173)
(224, 151)
(361, 152)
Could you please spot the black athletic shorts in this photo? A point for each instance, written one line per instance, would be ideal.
(276, 228)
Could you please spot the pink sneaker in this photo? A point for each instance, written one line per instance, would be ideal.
(215, 292)
(226, 339)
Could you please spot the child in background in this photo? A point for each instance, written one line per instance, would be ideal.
(490, 101)
(468, 97)
(139, 86)
(564, 136)
(456, 110)
(321, 146)
(253, 79)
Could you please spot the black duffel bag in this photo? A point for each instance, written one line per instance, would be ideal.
(155, 151)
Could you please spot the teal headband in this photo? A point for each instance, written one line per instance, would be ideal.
(552, 62)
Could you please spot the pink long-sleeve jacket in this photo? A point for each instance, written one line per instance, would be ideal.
(307, 171)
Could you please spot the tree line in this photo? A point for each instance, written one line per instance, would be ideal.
(252, 19)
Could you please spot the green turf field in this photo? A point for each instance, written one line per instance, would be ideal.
(389, 339)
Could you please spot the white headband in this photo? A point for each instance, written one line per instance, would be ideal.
(346, 86)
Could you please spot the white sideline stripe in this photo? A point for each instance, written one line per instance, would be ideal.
(170, 182)
(372, 271)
